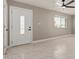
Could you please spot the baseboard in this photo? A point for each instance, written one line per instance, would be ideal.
(52, 38)
(4, 50)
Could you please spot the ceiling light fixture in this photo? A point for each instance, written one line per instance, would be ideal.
(63, 5)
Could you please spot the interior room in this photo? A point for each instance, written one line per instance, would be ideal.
(39, 29)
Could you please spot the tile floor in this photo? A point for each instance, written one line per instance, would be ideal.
(61, 48)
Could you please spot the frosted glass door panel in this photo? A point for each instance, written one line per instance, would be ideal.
(22, 24)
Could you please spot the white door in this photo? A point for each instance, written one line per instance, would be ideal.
(20, 26)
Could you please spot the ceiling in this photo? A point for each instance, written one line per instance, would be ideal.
(50, 4)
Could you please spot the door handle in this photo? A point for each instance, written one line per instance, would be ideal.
(6, 29)
(29, 28)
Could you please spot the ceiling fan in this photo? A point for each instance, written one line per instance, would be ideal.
(66, 5)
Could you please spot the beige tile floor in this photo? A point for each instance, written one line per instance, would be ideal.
(61, 48)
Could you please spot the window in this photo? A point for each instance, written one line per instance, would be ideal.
(59, 22)
(22, 18)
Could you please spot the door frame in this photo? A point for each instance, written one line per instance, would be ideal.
(5, 27)
(10, 12)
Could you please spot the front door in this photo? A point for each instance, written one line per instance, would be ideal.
(20, 26)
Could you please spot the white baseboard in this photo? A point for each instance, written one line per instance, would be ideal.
(42, 40)
(4, 50)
